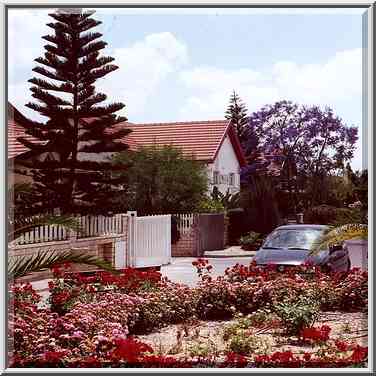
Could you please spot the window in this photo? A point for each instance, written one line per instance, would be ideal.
(216, 177)
(231, 179)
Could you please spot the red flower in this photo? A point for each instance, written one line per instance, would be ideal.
(130, 350)
(53, 357)
(56, 271)
(359, 354)
(282, 357)
(235, 359)
(341, 346)
(262, 358)
(90, 362)
(316, 334)
(307, 356)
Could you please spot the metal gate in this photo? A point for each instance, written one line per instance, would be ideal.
(212, 229)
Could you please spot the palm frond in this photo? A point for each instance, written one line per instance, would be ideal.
(46, 260)
(337, 235)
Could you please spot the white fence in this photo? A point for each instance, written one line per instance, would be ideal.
(149, 240)
(100, 225)
(138, 241)
(185, 223)
(89, 226)
(41, 234)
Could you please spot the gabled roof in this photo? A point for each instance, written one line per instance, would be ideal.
(15, 130)
(201, 139)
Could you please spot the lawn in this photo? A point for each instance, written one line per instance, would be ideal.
(249, 317)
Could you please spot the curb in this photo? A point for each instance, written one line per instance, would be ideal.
(229, 256)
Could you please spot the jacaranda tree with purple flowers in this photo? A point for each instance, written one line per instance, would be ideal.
(306, 143)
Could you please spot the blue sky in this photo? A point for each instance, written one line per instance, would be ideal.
(182, 65)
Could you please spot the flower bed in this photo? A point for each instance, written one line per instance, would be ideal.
(94, 321)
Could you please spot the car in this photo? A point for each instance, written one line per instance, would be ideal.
(290, 245)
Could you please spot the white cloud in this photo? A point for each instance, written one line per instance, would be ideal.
(25, 28)
(143, 68)
(338, 79)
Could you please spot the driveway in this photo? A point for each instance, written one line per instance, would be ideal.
(181, 269)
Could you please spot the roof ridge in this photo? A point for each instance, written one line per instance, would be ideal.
(184, 122)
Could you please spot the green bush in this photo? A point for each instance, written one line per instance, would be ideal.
(330, 215)
(251, 241)
(242, 323)
(200, 349)
(210, 205)
(299, 314)
(245, 343)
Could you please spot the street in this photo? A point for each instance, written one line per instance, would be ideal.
(181, 269)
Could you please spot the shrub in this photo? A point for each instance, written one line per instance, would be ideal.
(171, 304)
(330, 215)
(244, 342)
(200, 349)
(297, 315)
(102, 313)
(241, 323)
(215, 299)
(251, 241)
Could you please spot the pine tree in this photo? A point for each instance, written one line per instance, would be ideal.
(237, 112)
(69, 163)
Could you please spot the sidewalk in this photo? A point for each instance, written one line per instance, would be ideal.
(233, 251)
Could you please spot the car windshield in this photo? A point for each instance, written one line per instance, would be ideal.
(292, 238)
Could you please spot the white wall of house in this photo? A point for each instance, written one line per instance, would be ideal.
(224, 171)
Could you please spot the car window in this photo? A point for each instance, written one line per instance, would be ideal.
(292, 238)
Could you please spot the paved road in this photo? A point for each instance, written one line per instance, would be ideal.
(181, 269)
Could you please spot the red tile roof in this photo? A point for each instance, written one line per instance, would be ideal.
(201, 139)
(15, 130)
(15, 147)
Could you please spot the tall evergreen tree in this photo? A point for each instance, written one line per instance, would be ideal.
(68, 162)
(237, 112)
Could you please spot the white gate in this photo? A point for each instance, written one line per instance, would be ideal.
(120, 259)
(149, 240)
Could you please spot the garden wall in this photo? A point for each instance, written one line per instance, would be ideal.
(98, 246)
(200, 232)
(189, 242)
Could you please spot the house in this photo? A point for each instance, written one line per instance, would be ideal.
(213, 143)
(16, 150)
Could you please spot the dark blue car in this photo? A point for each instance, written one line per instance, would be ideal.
(291, 246)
